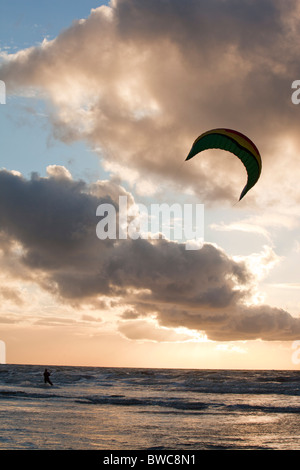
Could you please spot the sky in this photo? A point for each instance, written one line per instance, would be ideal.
(104, 100)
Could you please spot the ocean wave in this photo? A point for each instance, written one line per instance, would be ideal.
(138, 387)
(264, 408)
(144, 402)
(21, 394)
(151, 404)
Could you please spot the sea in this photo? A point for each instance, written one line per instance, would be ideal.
(100, 408)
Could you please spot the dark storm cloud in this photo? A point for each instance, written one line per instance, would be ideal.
(239, 323)
(54, 221)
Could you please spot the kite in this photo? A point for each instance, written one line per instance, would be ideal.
(236, 143)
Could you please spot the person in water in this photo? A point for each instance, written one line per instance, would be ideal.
(47, 377)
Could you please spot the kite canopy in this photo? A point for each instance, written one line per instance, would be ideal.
(236, 143)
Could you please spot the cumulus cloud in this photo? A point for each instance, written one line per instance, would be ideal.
(55, 221)
(146, 330)
(238, 323)
(52, 222)
(140, 79)
(59, 172)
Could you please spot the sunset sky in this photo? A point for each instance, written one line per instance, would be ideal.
(104, 99)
